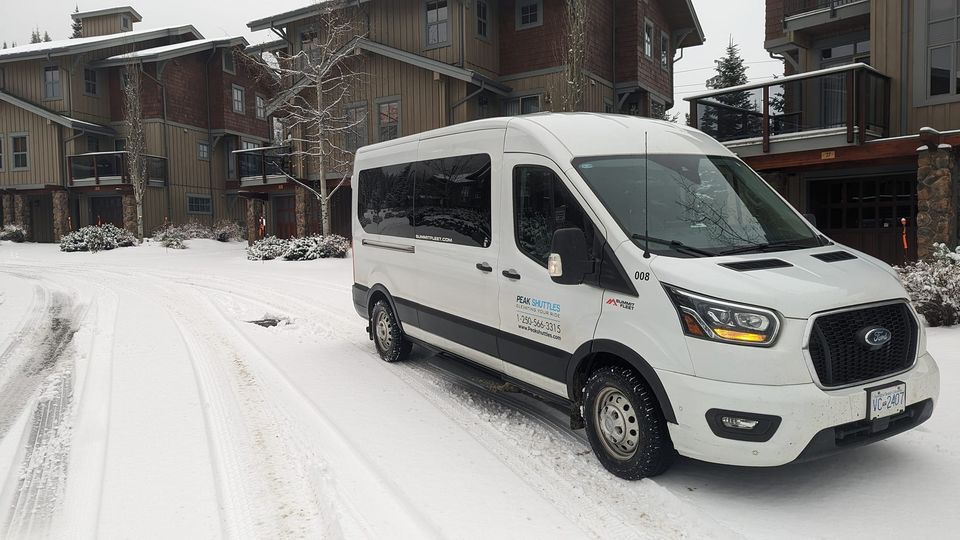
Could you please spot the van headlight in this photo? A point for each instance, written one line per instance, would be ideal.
(710, 318)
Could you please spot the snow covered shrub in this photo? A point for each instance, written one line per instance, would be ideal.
(13, 233)
(267, 249)
(934, 286)
(317, 247)
(226, 231)
(97, 238)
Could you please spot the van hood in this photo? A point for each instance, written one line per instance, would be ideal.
(808, 286)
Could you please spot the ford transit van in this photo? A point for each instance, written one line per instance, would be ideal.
(641, 273)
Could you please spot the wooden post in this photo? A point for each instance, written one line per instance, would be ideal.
(693, 115)
(862, 105)
(850, 106)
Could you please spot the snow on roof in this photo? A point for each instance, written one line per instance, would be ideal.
(177, 49)
(107, 11)
(75, 46)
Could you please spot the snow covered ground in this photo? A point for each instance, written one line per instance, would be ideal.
(137, 401)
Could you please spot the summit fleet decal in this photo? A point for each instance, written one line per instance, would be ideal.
(538, 316)
(623, 304)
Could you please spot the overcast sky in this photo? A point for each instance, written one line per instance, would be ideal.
(741, 20)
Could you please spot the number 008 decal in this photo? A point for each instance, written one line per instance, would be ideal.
(641, 276)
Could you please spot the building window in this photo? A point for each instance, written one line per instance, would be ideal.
(522, 105)
(388, 120)
(21, 152)
(438, 23)
(51, 82)
(3, 81)
(261, 108)
(229, 62)
(231, 147)
(239, 96)
(356, 135)
(125, 22)
(648, 39)
(93, 143)
(120, 145)
(483, 13)
(666, 55)
(1, 151)
(529, 13)
(203, 151)
(89, 82)
(199, 204)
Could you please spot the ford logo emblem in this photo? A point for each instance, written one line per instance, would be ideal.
(875, 337)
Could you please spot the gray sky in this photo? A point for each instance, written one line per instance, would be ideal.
(741, 20)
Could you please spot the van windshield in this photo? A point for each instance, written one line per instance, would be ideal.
(699, 205)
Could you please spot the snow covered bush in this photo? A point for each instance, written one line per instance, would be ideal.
(226, 231)
(934, 286)
(267, 249)
(97, 238)
(317, 247)
(13, 233)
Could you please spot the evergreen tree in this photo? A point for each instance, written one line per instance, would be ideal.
(4, 44)
(77, 25)
(46, 37)
(35, 36)
(736, 114)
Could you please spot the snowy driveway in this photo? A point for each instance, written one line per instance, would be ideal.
(136, 401)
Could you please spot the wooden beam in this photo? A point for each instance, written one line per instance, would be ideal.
(892, 150)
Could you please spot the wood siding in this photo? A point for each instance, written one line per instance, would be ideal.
(42, 146)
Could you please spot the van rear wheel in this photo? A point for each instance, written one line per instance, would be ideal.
(387, 336)
(625, 426)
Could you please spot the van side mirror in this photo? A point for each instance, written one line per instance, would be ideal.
(568, 262)
(812, 218)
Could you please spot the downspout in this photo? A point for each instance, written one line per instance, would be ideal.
(463, 34)
(166, 134)
(210, 143)
(458, 103)
(613, 54)
(904, 70)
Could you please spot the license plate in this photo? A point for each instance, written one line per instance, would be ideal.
(886, 401)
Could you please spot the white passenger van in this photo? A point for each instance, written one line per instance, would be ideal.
(664, 292)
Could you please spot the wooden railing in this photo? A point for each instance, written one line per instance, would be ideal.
(97, 168)
(797, 7)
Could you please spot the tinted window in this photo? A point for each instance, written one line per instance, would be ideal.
(386, 200)
(541, 205)
(453, 200)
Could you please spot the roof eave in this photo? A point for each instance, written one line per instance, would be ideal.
(120, 60)
(105, 44)
(280, 20)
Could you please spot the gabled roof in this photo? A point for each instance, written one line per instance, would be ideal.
(166, 52)
(65, 47)
(282, 19)
(684, 22)
(58, 118)
(107, 11)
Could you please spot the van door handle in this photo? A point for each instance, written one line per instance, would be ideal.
(511, 274)
(484, 267)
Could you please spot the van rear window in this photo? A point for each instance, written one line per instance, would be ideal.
(440, 200)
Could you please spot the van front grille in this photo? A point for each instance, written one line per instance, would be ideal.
(841, 354)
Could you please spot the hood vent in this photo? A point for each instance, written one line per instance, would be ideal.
(762, 264)
(835, 256)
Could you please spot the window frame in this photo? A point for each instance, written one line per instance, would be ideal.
(386, 101)
(230, 67)
(921, 57)
(425, 10)
(260, 106)
(3, 153)
(485, 20)
(13, 154)
(666, 53)
(520, 99)
(95, 147)
(203, 150)
(518, 17)
(207, 198)
(86, 82)
(648, 32)
(59, 83)
(243, 99)
(3, 78)
(126, 23)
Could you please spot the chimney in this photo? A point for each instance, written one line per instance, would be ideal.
(107, 21)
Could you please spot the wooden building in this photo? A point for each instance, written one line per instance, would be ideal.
(430, 64)
(62, 132)
(860, 131)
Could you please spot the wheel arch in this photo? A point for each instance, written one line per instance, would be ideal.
(603, 352)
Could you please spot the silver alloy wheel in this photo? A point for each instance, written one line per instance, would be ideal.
(616, 423)
(384, 337)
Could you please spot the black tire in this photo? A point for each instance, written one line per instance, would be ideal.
(628, 410)
(387, 336)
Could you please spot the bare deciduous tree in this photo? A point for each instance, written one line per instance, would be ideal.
(316, 84)
(136, 139)
(574, 54)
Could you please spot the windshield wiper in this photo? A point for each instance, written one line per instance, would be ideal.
(783, 244)
(676, 245)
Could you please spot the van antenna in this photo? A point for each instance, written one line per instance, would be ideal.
(646, 197)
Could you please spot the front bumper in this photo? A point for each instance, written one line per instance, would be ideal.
(809, 415)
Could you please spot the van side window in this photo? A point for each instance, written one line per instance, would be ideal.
(453, 200)
(385, 200)
(541, 205)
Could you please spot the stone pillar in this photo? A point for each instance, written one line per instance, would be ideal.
(130, 213)
(61, 215)
(254, 211)
(7, 209)
(21, 214)
(936, 199)
(300, 195)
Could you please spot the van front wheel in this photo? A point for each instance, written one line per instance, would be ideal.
(387, 336)
(625, 426)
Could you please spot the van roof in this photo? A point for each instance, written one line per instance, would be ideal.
(581, 135)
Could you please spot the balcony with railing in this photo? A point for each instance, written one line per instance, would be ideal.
(111, 168)
(820, 109)
(802, 14)
(267, 165)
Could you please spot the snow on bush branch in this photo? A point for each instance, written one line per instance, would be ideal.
(934, 286)
(13, 233)
(173, 236)
(299, 249)
(97, 238)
